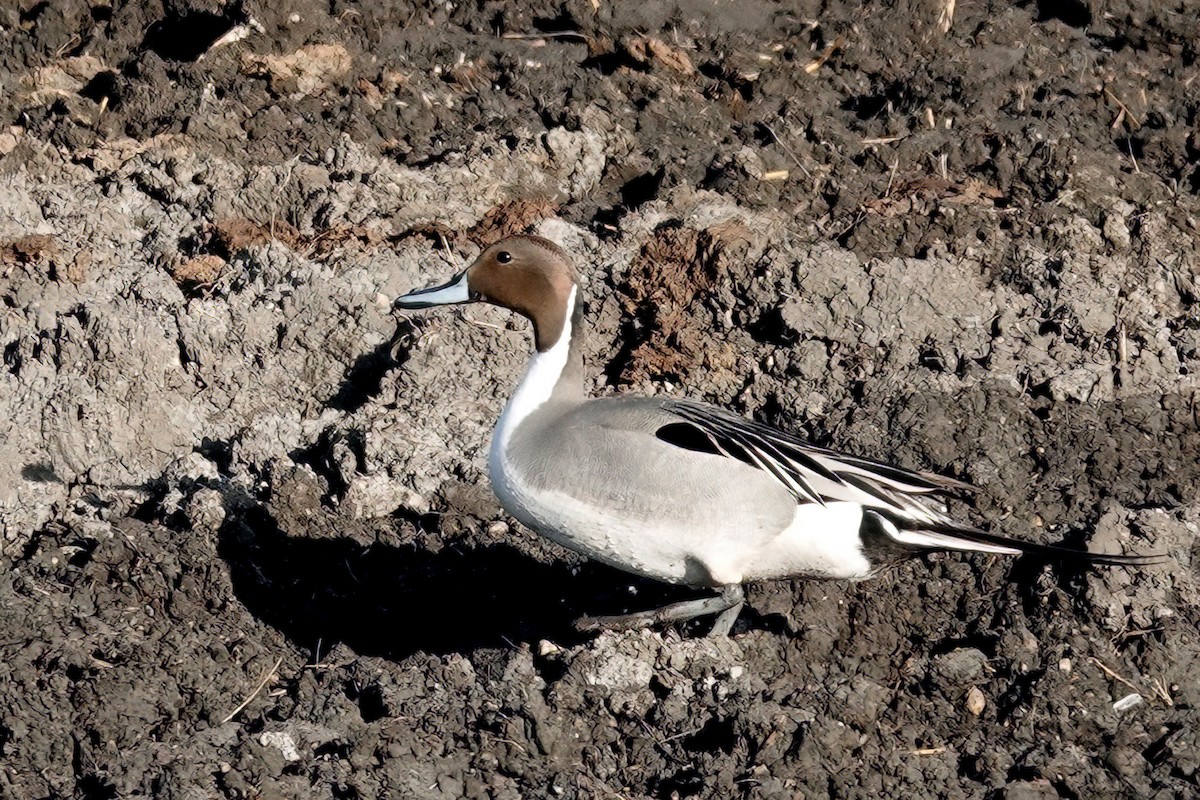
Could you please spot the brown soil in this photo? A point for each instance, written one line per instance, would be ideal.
(251, 550)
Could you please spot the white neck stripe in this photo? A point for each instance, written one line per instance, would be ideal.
(536, 386)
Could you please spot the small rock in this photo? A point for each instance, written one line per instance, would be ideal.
(1127, 702)
(976, 702)
(281, 741)
(1116, 231)
(9, 139)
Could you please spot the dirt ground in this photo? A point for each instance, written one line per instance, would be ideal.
(250, 549)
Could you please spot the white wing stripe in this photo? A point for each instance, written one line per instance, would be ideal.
(816, 475)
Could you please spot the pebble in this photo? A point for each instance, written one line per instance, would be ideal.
(1127, 702)
(976, 702)
(281, 741)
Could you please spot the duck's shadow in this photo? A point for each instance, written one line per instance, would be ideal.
(396, 601)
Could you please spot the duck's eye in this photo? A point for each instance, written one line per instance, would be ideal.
(504, 257)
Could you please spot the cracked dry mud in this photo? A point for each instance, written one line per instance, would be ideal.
(228, 473)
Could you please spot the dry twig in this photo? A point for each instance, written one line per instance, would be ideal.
(946, 17)
(1124, 114)
(266, 678)
(813, 66)
(1110, 673)
(927, 751)
(783, 145)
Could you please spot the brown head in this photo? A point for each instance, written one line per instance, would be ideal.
(527, 274)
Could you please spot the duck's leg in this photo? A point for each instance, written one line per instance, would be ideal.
(727, 605)
(726, 618)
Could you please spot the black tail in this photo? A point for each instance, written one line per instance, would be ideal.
(974, 540)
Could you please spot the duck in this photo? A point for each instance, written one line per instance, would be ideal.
(687, 492)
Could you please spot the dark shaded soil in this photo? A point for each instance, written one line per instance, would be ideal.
(251, 550)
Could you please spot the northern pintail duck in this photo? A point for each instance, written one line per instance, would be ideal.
(681, 491)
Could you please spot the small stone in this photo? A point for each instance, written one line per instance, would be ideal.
(1116, 231)
(1127, 702)
(1064, 665)
(976, 702)
(9, 139)
(548, 648)
(283, 742)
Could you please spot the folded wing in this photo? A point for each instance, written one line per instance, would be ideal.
(814, 474)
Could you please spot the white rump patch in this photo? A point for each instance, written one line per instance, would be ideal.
(821, 541)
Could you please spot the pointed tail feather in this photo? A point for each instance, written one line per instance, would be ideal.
(974, 540)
